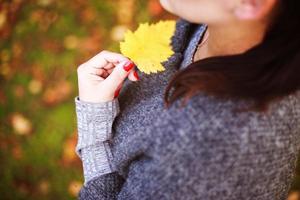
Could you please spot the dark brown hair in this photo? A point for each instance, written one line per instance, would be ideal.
(264, 73)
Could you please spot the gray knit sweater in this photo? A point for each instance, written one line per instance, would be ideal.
(134, 148)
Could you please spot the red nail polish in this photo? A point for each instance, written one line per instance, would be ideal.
(128, 66)
(117, 92)
(136, 75)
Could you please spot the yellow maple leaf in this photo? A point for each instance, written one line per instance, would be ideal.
(149, 45)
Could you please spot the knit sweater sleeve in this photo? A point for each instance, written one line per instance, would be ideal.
(162, 168)
(141, 181)
(200, 153)
(94, 122)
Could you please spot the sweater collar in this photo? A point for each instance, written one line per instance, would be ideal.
(179, 42)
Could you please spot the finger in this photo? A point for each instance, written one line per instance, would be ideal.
(118, 75)
(102, 72)
(95, 78)
(98, 72)
(133, 75)
(117, 92)
(105, 74)
(104, 58)
(110, 71)
(109, 66)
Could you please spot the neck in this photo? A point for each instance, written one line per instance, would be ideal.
(230, 40)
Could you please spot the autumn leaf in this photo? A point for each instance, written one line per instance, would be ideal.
(20, 124)
(74, 187)
(149, 45)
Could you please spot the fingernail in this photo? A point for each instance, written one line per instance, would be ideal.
(136, 75)
(117, 92)
(128, 66)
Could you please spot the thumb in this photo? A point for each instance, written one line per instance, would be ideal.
(119, 74)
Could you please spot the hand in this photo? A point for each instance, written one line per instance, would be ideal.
(101, 78)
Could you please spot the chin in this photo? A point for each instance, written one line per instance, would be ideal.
(166, 5)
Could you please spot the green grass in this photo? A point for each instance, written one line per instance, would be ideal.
(35, 165)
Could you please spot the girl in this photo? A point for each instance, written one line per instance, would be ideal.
(221, 122)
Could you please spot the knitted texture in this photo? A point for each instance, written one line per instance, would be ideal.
(203, 151)
(94, 123)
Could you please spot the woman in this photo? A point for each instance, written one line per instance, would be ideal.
(229, 130)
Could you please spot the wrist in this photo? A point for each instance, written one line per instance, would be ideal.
(94, 121)
(94, 100)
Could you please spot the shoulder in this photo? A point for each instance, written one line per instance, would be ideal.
(206, 149)
(207, 144)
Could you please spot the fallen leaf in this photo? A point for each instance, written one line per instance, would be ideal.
(58, 93)
(69, 154)
(44, 186)
(74, 188)
(20, 124)
(71, 42)
(118, 32)
(35, 86)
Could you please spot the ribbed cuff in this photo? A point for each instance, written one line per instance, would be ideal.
(96, 161)
(94, 122)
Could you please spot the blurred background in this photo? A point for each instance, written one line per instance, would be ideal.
(41, 44)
